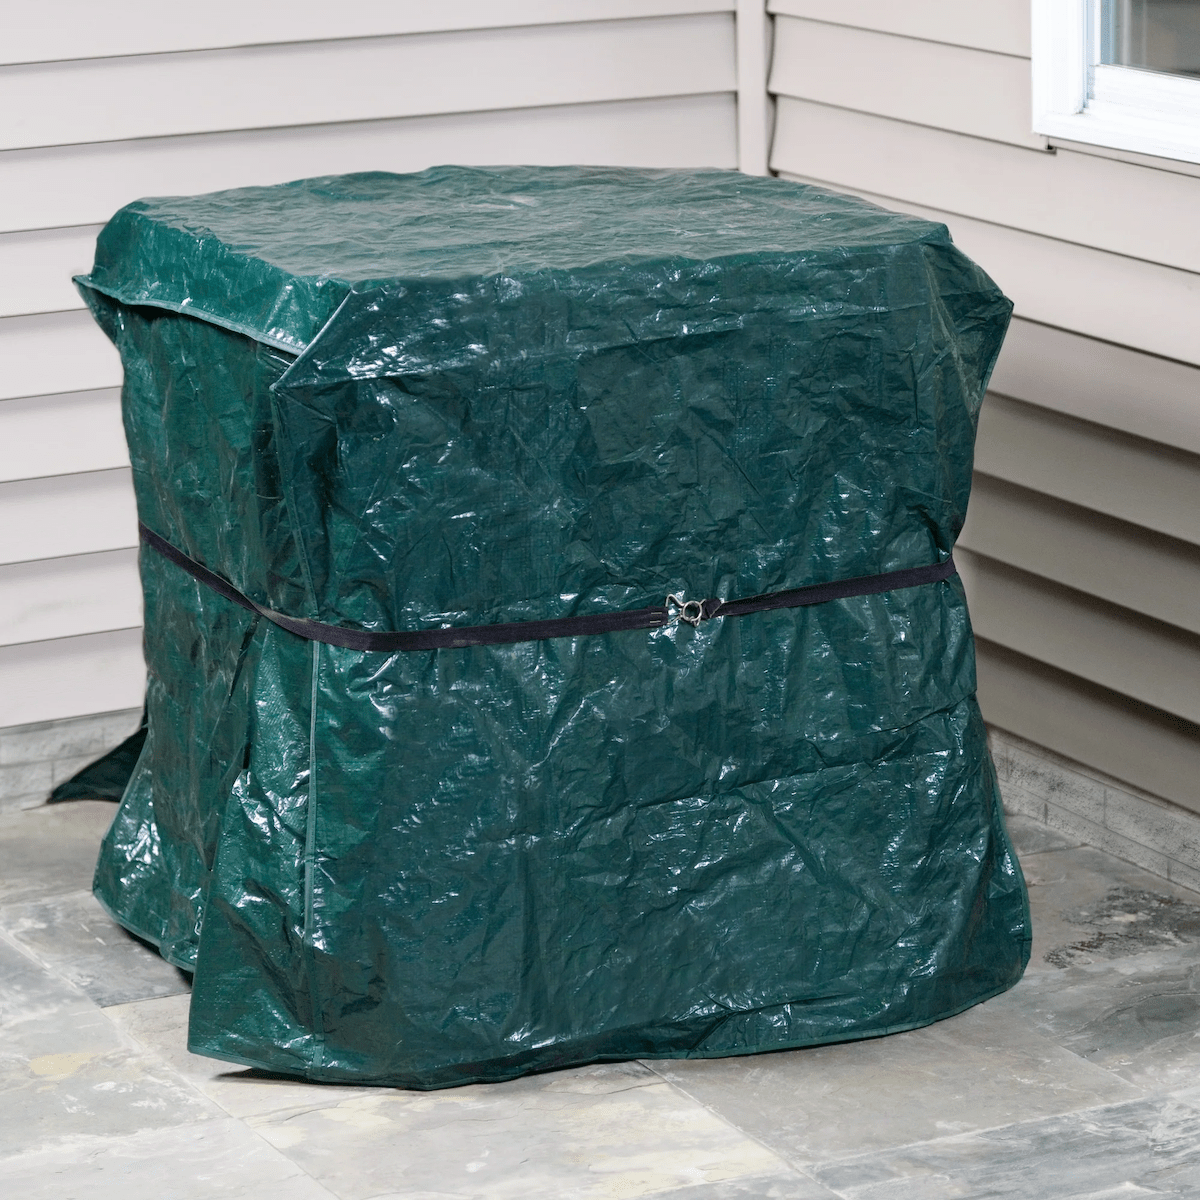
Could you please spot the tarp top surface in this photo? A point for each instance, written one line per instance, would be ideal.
(275, 262)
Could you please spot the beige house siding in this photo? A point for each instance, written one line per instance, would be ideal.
(1081, 553)
(105, 103)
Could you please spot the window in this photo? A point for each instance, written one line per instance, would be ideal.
(1119, 73)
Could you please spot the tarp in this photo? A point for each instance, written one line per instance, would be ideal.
(475, 396)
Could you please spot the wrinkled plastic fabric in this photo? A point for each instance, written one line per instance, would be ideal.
(468, 396)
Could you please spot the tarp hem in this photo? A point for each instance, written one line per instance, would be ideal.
(187, 310)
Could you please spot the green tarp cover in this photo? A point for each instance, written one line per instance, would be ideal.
(466, 396)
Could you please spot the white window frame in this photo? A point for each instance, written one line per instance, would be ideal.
(1079, 99)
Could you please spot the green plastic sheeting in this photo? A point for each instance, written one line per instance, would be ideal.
(467, 396)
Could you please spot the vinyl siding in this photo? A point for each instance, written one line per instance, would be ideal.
(64, 186)
(1113, 560)
(58, 435)
(1075, 198)
(1081, 553)
(64, 597)
(50, 679)
(81, 29)
(956, 88)
(360, 79)
(1001, 26)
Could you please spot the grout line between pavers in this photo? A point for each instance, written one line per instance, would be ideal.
(974, 1133)
(89, 1141)
(121, 1036)
(787, 1162)
(1144, 1095)
(10, 938)
(325, 1187)
(159, 1057)
(153, 1052)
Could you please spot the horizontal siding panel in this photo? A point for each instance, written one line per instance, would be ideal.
(1100, 295)
(364, 79)
(999, 25)
(36, 269)
(67, 514)
(71, 677)
(1070, 197)
(58, 435)
(66, 29)
(1111, 385)
(82, 185)
(950, 87)
(1127, 477)
(55, 352)
(1090, 724)
(64, 597)
(1080, 290)
(1112, 560)
(1148, 660)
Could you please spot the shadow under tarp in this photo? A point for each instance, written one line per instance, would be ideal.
(108, 776)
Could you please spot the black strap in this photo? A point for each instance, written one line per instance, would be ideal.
(691, 611)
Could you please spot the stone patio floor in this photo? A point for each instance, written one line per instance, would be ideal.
(1083, 1081)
